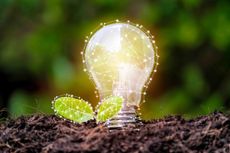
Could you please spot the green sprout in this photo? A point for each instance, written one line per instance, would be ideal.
(79, 111)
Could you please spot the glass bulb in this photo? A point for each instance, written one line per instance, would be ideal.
(120, 58)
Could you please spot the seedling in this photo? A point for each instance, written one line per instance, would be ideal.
(78, 110)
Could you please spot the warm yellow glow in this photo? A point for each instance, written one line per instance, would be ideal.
(120, 58)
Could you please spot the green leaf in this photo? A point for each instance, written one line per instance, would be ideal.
(74, 109)
(109, 108)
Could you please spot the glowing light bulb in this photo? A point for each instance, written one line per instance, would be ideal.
(120, 58)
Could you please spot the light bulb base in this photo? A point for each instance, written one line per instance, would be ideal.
(125, 119)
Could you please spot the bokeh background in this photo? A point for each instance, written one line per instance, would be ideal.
(41, 41)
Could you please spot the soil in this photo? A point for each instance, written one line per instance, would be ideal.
(42, 133)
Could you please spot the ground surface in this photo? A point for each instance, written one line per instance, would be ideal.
(40, 133)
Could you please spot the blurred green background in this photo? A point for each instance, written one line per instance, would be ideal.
(41, 41)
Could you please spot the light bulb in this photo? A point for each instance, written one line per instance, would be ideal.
(120, 58)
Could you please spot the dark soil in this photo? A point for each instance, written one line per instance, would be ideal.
(40, 133)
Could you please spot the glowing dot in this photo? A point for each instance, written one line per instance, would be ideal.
(117, 20)
(155, 70)
(84, 70)
(81, 53)
(148, 31)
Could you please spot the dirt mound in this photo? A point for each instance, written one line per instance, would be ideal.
(40, 133)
